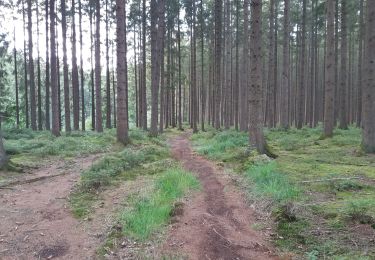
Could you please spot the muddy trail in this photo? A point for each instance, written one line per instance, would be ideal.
(35, 221)
(215, 224)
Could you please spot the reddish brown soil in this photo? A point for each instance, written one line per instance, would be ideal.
(35, 222)
(216, 223)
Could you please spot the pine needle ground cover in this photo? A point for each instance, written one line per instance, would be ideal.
(321, 192)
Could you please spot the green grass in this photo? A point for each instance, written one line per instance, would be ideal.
(272, 184)
(145, 156)
(153, 210)
(304, 159)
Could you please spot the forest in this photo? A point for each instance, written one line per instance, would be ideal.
(187, 129)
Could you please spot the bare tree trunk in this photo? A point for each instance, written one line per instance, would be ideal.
(244, 118)
(83, 117)
(360, 66)
(47, 80)
(179, 74)
(40, 126)
(368, 140)
(98, 89)
(301, 88)
(93, 113)
(16, 79)
(108, 79)
(54, 86)
(285, 72)
(217, 81)
(143, 112)
(329, 112)
(75, 77)
(3, 156)
(256, 136)
(343, 74)
(122, 74)
(271, 68)
(66, 69)
(26, 96)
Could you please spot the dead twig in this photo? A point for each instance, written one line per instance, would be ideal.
(333, 179)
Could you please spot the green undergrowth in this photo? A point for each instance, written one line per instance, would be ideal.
(321, 191)
(144, 156)
(29, 148)
(150, 209)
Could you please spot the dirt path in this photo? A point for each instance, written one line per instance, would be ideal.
(216, 224)
(35, 222)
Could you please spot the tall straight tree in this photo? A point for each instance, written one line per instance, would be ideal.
(75, 78)
(179, 70)
(217, 82)
(26, 82)
(271, 68)
(98, 93)
(108, 76)
(122, 74)
(54, 86)
(360, 64)
(40, 126)
(284, 122)
(301, 88)
(31, 67)
(47, 80)
(92, 83)
(368, 140)
(143, 92)
(65, 68)
(3, 156)
(16, 79)
(256, 135)
(83, 117)
(329, 112)
(245, 68)
(343, 69)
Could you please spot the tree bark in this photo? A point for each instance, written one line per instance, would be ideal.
(329, 112)
(31, 69)
(368, 140)
(343, 69)
(217, 77)
(3, 156)
(75, 77)
(360, 65)
(301, 88)
(47, 79)
(122, 74)
(54, 86)
(16, 79)
(98, 93)
(83, 116)
(66, 69)
(256, 136)
(108, 79)
(285, 71)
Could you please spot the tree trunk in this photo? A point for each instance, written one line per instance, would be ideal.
(143, 112)
(179, 73)
(285, 71)
(75, 77)
(93, 113)
(40, 126)
(16, 79)
(122, 74)
(83, 117)
(66, 69)
(244, 118)
(217, 77)
(98, 93)
(54, 86)
(343, 69)
(329, 112)
(31, 68)
(360, 66)
(271, 68)
(3, 156)
(301, 88)
(108, 79)
(368, 140)
(26, 96)
(256, 136)
(47, 80)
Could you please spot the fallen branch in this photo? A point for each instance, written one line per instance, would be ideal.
(27, 181)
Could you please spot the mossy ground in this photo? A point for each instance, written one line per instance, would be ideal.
(334, 216)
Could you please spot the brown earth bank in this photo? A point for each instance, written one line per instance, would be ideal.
(216, 223)
(35, 221)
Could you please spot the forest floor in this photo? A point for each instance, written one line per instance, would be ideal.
(184, 196)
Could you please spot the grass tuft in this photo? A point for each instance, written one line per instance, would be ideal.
(149, 213)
